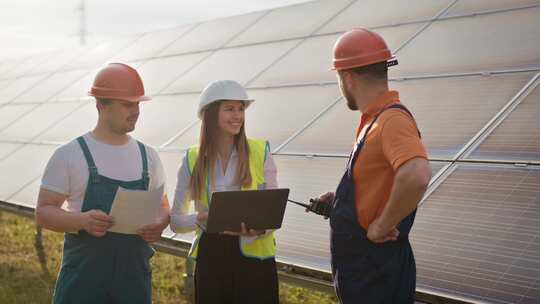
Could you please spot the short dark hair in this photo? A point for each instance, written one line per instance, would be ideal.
(103, 101)
(377, 71)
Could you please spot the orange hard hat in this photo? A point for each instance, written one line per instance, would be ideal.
(360, 47)
(118, 81)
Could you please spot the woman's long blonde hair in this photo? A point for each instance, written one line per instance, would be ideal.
(208, 152)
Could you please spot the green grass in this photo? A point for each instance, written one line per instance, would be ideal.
(23, 279)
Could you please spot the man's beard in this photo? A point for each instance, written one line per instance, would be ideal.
(351, 103)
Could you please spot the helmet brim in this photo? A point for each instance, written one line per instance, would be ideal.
(247, 103)
(123, 98)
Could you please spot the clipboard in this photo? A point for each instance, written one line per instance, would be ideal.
(258, 209)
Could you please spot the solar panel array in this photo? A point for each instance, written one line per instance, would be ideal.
(469, 70)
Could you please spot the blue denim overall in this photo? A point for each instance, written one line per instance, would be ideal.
(110, 269)
(365, 272)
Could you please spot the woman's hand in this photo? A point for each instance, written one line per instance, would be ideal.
(202, 217)
(245, 232)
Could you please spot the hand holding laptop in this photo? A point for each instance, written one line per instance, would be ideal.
(202, 216)
(244, 231)
(244, 213)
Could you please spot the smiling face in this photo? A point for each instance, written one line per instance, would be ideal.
(231, 117)
(120, 116)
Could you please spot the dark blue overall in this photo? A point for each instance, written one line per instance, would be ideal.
(365, 272)
(109, 269)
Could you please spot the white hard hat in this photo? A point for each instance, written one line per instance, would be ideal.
(222, 90)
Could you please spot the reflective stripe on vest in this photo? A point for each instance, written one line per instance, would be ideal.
(262, 247)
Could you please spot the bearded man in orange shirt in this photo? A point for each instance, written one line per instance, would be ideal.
(387, 174)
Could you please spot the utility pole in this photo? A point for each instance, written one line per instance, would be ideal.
(82, 30)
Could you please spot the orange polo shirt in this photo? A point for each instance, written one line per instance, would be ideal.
(392, 141)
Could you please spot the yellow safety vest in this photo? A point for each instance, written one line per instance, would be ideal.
(262, 247)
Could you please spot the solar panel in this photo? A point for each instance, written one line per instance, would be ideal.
(273, 107)
(337, 126)
(149, 44)
(169, 114)
(477, 235)
(311, 60)
(36, 121)
(80, 120)
(449, 112)
(4, 83)
(9, 114)
(369, 13)
(212, 34)
(514, 35)
(240, 64)
(9, 65)
(28, 65)
(517, 138)
(97, 54)
(283, 23)
(60, 60)
(50, 86)
(468, 7)
(7, 148)
(18, 86)
(77, 90)
(28, 195)
(23, 166)
(158, 73)
(187, 137)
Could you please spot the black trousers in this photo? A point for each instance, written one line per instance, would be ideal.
(223, 275)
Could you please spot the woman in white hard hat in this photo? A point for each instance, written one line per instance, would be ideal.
(231, 267)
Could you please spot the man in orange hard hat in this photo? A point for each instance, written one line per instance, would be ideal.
(100, 266)
(373, 208)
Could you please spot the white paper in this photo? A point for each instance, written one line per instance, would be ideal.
(133, 209)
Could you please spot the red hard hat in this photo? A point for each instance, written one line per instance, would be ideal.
(360, 47)
(118, 81)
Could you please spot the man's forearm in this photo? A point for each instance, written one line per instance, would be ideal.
(410, 184)
(56, 219)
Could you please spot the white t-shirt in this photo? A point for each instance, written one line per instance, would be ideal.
(67, 170)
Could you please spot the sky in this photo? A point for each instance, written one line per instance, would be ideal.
(29, 27)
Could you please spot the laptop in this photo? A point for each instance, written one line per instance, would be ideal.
(258, 209)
